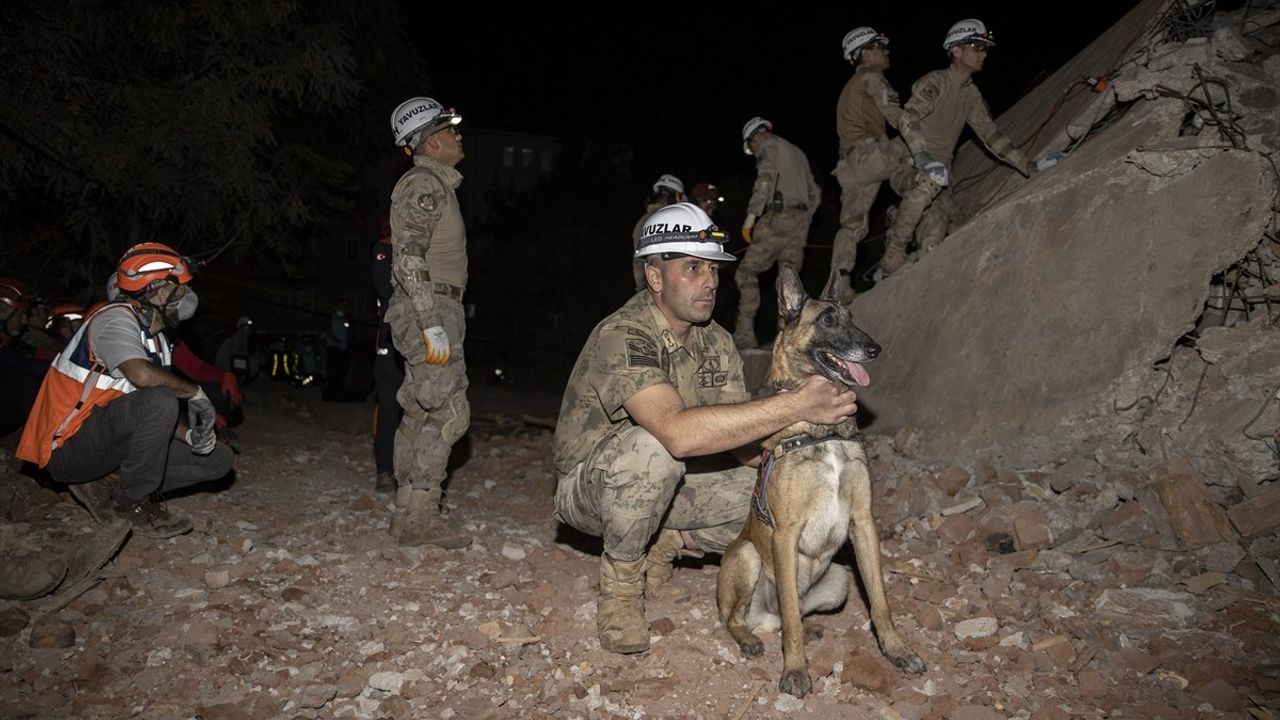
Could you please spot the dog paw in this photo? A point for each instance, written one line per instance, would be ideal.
(907, 662)
(752, 648)
(796, 682)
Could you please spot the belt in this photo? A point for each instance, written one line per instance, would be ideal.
(446, 289)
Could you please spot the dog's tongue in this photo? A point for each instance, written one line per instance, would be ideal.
(857, 372)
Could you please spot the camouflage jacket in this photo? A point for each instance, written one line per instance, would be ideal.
(940, 105)
(783, 166)
(867, 102)
(629, 351)
(429, 240)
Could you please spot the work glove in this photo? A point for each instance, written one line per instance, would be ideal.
(747, 227)
(201, 420)
(436, 341)
(231, 388)
(201, 444)
(1044, 163)
(934, 169)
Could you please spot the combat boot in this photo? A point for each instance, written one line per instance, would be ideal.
(152, 520)
(29, 576)
(95, 496)
(385, 482)
(658, 568)
(426, 524)
(620, 622)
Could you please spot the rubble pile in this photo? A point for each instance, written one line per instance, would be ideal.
(1114, 585)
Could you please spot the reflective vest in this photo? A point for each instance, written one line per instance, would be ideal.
(76, 383)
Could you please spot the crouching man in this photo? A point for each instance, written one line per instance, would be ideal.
(656, 429)
(109, 402)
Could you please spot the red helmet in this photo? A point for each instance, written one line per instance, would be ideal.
(706, 191)
(146, 263)
(71, 311)
(14, 294)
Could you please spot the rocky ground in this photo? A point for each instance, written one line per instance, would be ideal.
(1095, 589)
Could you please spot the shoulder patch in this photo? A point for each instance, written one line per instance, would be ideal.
(641, 350)
(429, 202)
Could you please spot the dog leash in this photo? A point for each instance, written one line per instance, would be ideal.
(759, 503)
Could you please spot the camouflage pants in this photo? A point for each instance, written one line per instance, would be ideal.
(434, 397)
(866, 165)
(926, 212)
(778, 237)
(630, 486)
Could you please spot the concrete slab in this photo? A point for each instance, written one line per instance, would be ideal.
(1010, 340)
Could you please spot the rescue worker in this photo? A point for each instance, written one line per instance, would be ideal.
(109, 402)
(707, 196)
(21, 371)
(428, 322)
(221, 386)
(941, 103)
(783, 199)
(388, 370)
(656, 426)
(65, 320)
(667, 189)
(233, 352)
(337, 358)
(868, 156)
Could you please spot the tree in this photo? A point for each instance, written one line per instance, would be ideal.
(207, 124)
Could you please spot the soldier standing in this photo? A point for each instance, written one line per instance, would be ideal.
(868, 156)
(941, 103)
(429, 266)
(667, 189)
(784, 198)
(654, 407)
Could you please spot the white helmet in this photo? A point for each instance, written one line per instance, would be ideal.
(682, 228)
(415, 115)
(753, 126)
(858, 37)
(670, 182)
(970, 30)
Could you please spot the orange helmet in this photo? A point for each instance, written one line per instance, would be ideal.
(147, 263)
(71, 311)
(14, 293)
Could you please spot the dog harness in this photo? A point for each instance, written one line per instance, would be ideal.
(759, 501)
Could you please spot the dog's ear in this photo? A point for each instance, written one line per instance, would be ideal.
(831, 292)
(791, 295)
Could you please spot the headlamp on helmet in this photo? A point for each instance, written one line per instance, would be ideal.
(682, 229)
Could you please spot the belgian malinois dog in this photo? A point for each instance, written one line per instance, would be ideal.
(813, 490)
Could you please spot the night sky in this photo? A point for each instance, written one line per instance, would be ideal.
(679, 83)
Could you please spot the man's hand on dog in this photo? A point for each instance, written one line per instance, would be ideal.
(825, 402)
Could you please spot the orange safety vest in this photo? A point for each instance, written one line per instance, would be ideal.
(76, 383)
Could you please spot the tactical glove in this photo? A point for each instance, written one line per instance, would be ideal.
(436, 341)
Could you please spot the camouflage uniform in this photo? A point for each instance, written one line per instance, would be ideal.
(429, 267)
(637, 268)
(867, 158)
(780, 235)
(941, 103)
(616, 480)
